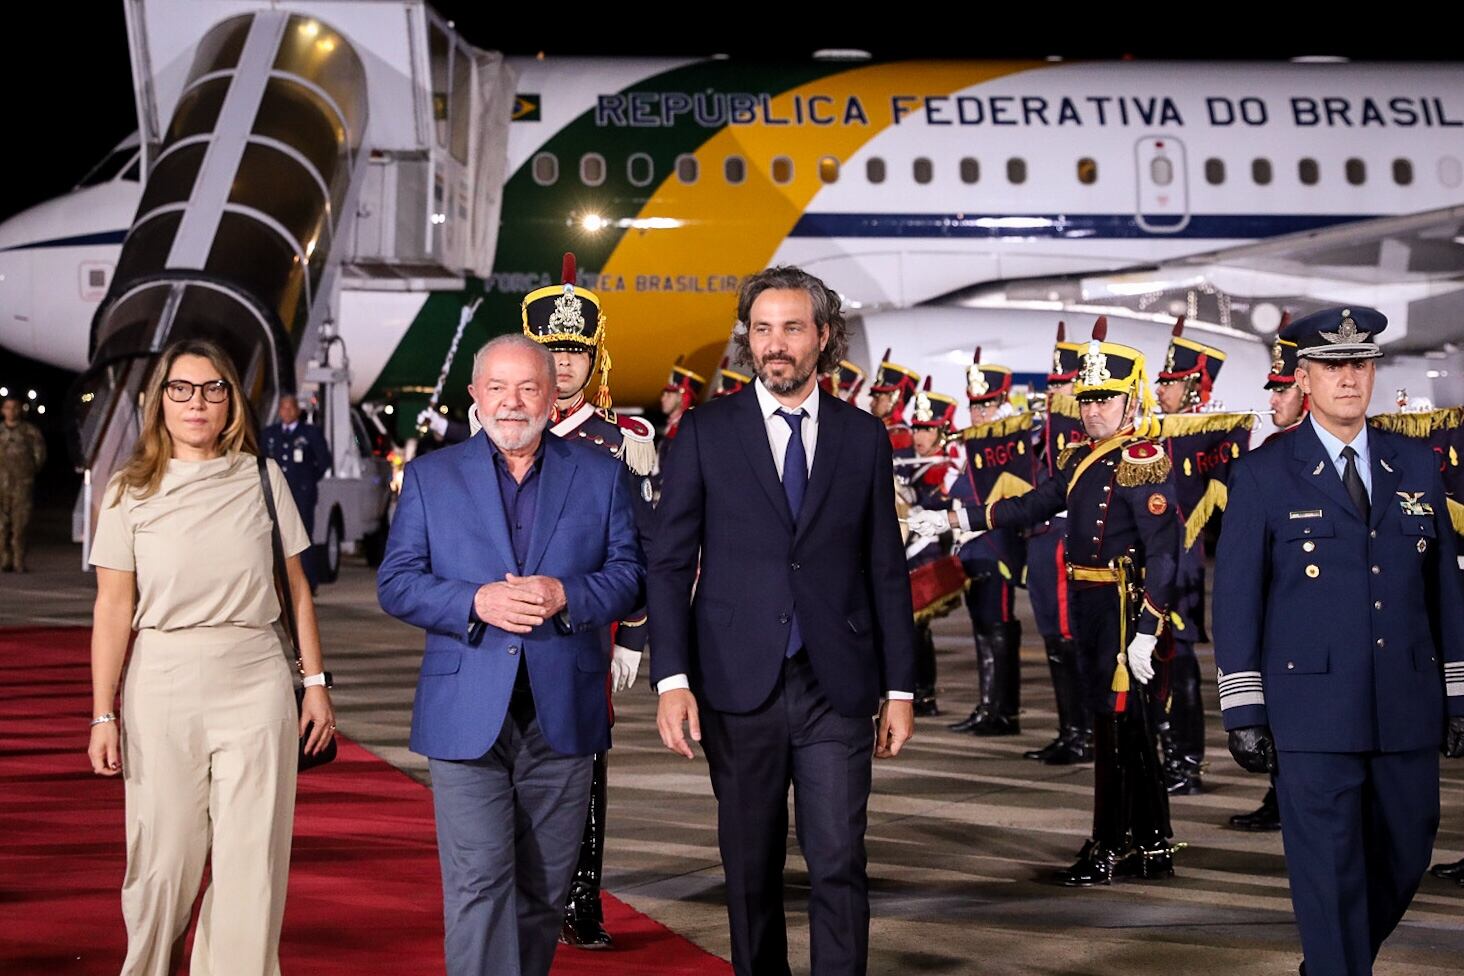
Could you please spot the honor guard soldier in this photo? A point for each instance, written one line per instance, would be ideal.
(926, 483)
(1184, 387)
(996, 452)
(893, 388)
(1047, 583)
(729, 380)
(679, 395)
(568, 319)
(299, 448)
(1339, 635)
(848, 380)
(1123, 552)
(1288, 409)
(22, 454)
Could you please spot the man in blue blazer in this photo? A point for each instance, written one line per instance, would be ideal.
(515, 551)
(1339, 636)
(781, 497)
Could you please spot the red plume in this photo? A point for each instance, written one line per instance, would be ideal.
(679, 357)
(976, 357)
(926, 387)
(568, 276)
(1061, 332)
(1178, 326)
(886, 357)
(1100, 328)
(1285, 321)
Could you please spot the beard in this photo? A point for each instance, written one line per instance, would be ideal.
(510, 436)
(795, 378)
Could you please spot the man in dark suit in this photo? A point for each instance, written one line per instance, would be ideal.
(783, 496)
(515, 550)
(1339, 636)
(299, 448)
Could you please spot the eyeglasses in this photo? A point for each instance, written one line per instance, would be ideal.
(181, 391)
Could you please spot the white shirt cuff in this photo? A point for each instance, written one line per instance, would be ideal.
(964, 518)
(900, 695)
(676, 682)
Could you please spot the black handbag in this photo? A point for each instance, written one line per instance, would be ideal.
(287, 615)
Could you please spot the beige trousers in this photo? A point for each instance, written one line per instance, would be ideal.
(209, 757)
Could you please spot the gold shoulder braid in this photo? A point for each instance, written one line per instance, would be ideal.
(1142, 463)
(1066, 455)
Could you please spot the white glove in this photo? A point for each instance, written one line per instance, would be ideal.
(1141, 657)
(624, 665)
(928, 524)
(433, 421)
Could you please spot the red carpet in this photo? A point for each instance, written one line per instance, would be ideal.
(364, 895)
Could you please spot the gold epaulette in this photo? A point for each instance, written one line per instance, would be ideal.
(1419, 425)
(1142, 463)
(1004, 427)
(1183, 424)
(1066, 455)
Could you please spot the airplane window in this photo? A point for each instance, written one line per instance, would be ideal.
(640, 169)
(735, 170)
(1214, 171)
(924, 171)
(1449, 171)
(782, 170)
(546, 169)
(1087, 171)
(592, 169)
(1016, 170)
(687, 169)
(970, 170)
(1356, 171)
(1261, 171)
(828, 169)
(1403, 171)
(874, 170)
(1161, 170)
(1308, 170)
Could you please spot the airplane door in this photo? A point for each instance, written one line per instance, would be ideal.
(1163, 185)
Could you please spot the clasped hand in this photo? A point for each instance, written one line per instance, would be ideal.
(518, 604)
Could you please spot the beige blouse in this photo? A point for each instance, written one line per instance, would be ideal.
(201, 545)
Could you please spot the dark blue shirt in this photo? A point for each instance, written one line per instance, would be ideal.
(520, 499)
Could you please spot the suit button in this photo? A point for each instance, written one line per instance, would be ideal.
(1377, 604)
(1376, 570)
(1100, 521)
(1372, 534)
(1290, 665)
(795, 566)
(1308, 546)
(783, 618)
(1381, 642)
(1102, 504)
(513, 648)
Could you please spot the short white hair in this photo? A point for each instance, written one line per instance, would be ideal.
(515, 340)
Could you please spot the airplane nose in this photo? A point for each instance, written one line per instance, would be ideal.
(16, 330)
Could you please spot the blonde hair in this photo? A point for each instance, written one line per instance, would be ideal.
(144, 470)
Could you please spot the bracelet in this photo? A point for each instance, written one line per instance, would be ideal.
(314, 681)
(103, 719)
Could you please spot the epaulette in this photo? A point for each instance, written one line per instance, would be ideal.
(1066, 455)
(1142, 463)
(639, 444)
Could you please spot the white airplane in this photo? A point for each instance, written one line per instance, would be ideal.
(951, 203)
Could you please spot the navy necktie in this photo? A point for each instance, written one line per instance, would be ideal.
(795, 483)
(1352, 481)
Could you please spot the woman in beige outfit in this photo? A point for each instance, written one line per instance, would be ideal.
(208, 734)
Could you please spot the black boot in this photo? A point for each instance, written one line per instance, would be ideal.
(1001, 700)
(1095, 866)
(583, 915)
(1064, 716)
(925, 705)
(1074, 742)
(985, 676)
(1184, 757)
(1108, 846)
(1449, 872)
(1268, 817)
(1145, 799)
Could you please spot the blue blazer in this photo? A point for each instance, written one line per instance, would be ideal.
(723, 514)
(1342, 636)
(449, 536)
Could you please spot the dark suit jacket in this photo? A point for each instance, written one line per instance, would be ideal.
(450, 536)
(842, 565)
(1341, 635)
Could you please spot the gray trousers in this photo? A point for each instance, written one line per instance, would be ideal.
(508, 832)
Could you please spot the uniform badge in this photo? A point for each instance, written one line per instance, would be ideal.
(1423, 545)
(924, 413)
(1411, 504)
(647, 492)
(1306, 513)
(1278, 363)
(1349, 332)
(1386, 466)
(1158, 504)
(976, 384)
(1095, 366)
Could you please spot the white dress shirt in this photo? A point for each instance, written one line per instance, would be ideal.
(779, 432)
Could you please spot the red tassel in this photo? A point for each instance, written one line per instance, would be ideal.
(1179, 326)
(927, 384)
(976, 357)
(886, 357)
(1100, 328)
(1061, 332)
(1285, 321)
(568, 275)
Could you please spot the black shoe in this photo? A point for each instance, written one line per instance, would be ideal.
(965, 724)
(584, 931)
(1051, 749)
(926, 707)
(1182, 776)
(1449, 872)
(1268, 817)
(992, 724)
(1076, 748)
(1151, 862)
(1093, 867)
